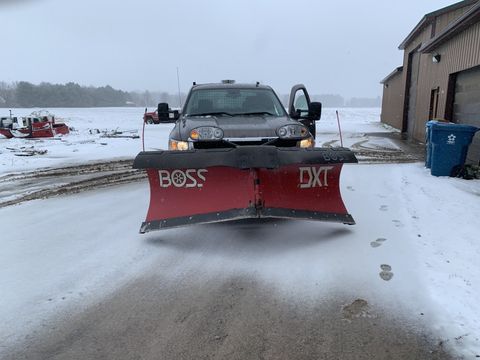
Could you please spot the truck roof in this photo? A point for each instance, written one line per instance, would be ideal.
(230, 86)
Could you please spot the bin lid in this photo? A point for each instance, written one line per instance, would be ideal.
(453, 127)
(430, 123)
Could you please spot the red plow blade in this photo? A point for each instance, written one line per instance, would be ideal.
(248, 182)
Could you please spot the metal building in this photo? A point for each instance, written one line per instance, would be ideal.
(440, 76)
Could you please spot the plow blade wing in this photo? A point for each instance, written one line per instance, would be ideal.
(203, 186)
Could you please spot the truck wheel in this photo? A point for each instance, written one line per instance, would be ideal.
(149, 120)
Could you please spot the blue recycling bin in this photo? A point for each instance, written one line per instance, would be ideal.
(449, 148)
(428, 142)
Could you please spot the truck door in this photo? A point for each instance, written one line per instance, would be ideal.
(299, 107)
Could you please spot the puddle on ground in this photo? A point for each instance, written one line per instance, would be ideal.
(357, 309)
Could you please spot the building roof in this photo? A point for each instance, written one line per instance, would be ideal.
(398, 70)
(471, 17)
(430, 17)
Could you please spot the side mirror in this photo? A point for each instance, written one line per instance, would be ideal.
(165, 114)
(315, 111)
(162, 111)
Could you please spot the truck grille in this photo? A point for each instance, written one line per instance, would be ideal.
(236, 143)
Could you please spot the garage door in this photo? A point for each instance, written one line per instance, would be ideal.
(466, 108)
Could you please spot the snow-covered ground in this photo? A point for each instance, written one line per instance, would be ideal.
(85, 143)
(413, 253)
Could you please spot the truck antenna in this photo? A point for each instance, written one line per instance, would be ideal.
(179, 93)
(339, 129)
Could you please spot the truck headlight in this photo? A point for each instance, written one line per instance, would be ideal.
(206, 133)
(292, 131)
(307, 143)
(178, 145)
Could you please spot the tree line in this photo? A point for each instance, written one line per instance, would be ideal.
(26, 95)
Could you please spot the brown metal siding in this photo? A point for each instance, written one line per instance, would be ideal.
(422, 38)
(467, 106)
(444, 20)
(460, 53)
(392, 101)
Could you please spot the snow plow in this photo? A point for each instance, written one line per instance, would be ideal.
(235, 153)
(39, 124)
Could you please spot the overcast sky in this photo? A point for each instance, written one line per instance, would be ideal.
(334, 47)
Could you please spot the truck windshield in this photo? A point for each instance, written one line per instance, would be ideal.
(233, 102)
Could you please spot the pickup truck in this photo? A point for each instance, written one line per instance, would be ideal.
(235, 152)
(228, 115)
(150, 117)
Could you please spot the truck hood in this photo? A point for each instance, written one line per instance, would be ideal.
(234, 126)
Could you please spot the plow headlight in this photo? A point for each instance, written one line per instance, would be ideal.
(292, 131)
(307, 143)
(178, 145)
(206, 133)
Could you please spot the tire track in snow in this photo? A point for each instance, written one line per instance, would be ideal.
(45, 183)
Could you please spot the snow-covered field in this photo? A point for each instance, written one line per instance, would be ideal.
(413, 253)
(85, 143)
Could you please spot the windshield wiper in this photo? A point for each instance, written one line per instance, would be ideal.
(256, 113)
(211, 113)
